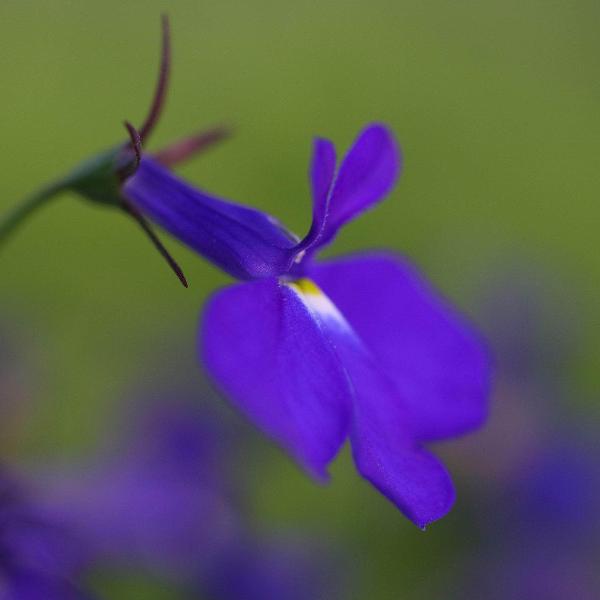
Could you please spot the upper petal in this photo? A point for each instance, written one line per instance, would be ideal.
(321, 174)
(367, 174)
(322, 171)
(432, 354)
(263, 347)
(242, 241)
(384, 445)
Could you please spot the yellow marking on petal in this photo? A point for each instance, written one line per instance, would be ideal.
(307, 286)
(318, 303)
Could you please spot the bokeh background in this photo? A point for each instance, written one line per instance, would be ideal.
(496, 105)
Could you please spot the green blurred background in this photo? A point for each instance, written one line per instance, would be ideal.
(496, 108)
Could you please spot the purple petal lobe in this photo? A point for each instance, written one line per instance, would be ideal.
(322, 172)
(412, 478)
(433, 356)
(265, 350)
(383, 444)
(244, 242)
(321, 175)
(366, 176)
(386, 454)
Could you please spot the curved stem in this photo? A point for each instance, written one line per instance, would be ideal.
(15, 216)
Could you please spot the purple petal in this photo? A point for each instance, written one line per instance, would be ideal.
(321, 175)
(366, 176)
(322, 172)
(434, 357)
(265, 350)
(242, 241)
(386, 453)
(383, 444)
(412, 478)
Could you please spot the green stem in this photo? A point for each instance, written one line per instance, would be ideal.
(13, 217)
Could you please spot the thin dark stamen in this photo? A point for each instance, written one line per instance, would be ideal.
(134, 212)
(127, 168)
(136, 143)
(162, 83)
(186, 148)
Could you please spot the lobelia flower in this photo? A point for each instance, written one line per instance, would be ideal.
(315, 352)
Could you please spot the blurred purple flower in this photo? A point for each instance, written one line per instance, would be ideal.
(533, 574)
(39, 558)
(538, 513)
(542, 531)
(157, 503)
(556, 493)
(165, 505)
(276, 569)
(315, 353)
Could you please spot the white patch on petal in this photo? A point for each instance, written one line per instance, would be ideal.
(318, 303)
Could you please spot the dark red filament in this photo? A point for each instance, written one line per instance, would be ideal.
(162, 83)
(184, 149)
(136, 143)
(135, 213)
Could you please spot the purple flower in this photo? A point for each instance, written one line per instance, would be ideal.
(157, 503)
(556, 493)
(536, 509)
(39, 558)
(277, 569)
(539, 534)
(314, 352)
(166, 505)
(527, 573)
